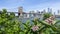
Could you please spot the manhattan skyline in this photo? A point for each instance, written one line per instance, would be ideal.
(30, 4)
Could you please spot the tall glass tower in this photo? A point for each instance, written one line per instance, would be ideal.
(49, 10)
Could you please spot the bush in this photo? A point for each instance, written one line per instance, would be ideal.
(10, 26)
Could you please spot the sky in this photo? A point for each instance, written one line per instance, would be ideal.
(29, 5)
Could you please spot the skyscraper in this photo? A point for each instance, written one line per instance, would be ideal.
(58, 12)
(49, 10)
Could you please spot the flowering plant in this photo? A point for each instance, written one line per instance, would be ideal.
(10, 26)
(50, 20)
(35, 28)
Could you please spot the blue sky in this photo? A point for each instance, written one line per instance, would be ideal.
(30, 4)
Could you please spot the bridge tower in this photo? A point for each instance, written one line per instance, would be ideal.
(20, 11)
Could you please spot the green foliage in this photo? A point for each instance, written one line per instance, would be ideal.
(46, 15)
(10, 26)
(27, 27)
(7, 24)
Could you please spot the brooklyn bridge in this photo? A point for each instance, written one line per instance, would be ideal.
(22, 14)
